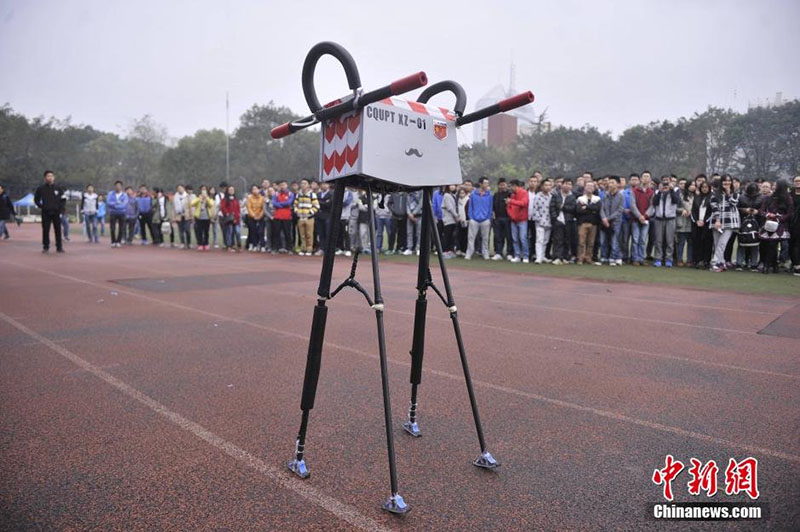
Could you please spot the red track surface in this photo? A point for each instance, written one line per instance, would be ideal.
(147, 388)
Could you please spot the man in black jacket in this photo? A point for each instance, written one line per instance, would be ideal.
(51, 201)
(7, 212)
(501, 222)
(562, 216)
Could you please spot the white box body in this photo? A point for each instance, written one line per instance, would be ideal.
(396, 141)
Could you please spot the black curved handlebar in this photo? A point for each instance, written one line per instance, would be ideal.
(310, 65)
(443, 86)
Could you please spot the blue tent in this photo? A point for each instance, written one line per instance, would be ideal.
(27, 201)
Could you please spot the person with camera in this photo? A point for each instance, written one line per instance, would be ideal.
(777, 211)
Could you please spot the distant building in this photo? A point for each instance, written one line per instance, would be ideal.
(502, 129)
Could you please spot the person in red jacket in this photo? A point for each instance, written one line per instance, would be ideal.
(282, 202)
(230, 212)
(517, 208)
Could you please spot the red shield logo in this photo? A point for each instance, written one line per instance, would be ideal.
(439, 129)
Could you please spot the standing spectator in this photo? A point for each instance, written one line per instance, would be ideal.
(202, 212)
(683, 223)
(131, 215)
(534, 183)
(461, 229)
(502, 223)
(305, 208)
(667, 206)
(383, 220)
(7, 212)
(282, 203)
(450, 221)
(747, 255)
(117, 207)
(627, 219)
(397, 239)
(181, 207)
(541, 217)
(255, 218)
(641, 209)
(89, 212)
(587, 214)
(611, 207)
(230, 215)
(268, 227)
(190, 214)
(160, 216)
(65, 218)
(436, 205)
(701, 226)
(724, 218)
(562, 217)
(777, 212)
(323, 224)
(343, 243)
(794, 243)
(144, 204)
(363, 220)
(214, 225)
(50, 198)
(101, 214)
(517, 208)
(479, 212)
(414, 221)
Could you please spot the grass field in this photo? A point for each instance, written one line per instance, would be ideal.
(745, 282)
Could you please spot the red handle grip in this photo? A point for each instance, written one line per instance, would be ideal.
(280, 131)
(516, 101)
(409, 83)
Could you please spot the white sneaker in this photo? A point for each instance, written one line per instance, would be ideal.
(338, 252)
(537, 261)
(348, 253)
(557, 262)
(467, 257)
(513, 259)
(618, 262)
(548, 261)
(497, 256)
(597, 263)
(525, 261)
(408, 252)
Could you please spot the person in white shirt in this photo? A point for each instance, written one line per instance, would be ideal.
(89, 210)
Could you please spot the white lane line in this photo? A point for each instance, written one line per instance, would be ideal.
(612, 348)
(341, 510)
(558, 402)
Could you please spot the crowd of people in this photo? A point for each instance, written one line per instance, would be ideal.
(717, 223)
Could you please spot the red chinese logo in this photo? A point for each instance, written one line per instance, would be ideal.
(667, 475)
(742, 476)
(703, 478)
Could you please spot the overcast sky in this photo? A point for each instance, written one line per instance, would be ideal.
(610, 64)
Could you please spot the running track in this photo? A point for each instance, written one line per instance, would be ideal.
(152, 388)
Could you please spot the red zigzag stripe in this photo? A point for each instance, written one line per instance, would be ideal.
(338, 159)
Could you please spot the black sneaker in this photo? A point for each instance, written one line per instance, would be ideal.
(59, 250)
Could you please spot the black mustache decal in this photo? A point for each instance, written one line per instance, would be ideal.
(413, 151)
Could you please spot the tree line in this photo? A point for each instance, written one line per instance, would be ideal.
(763, 142)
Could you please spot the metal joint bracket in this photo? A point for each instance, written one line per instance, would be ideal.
(377, 306)
(452, 309)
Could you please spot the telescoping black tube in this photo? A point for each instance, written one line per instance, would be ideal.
(401, 86)
(505, 105)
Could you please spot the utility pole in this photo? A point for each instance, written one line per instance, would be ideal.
(227, 140)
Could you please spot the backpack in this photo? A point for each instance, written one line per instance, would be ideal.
(748, 232)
